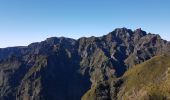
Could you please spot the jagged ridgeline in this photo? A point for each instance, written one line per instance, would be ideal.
(122, 65)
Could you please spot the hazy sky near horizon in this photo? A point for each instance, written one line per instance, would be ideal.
(25, 21)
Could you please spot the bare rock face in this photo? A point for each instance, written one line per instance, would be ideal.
(68, 69)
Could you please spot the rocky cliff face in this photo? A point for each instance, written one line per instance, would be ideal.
(68, 69)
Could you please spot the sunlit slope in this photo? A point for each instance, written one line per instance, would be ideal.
(147, 81)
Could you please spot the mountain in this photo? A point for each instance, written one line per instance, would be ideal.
(154, 76)
(110, 67)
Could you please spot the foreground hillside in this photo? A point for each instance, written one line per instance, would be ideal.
(94, 68)
(149, 80)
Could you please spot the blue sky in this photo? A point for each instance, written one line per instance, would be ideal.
(26, 21)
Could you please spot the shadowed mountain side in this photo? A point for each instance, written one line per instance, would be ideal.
(68, 69)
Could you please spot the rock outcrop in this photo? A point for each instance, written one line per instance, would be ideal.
(67, 69)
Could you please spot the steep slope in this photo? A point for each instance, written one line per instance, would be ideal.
(149, 80)
(68, 69)
(43, 77)
(146, 81)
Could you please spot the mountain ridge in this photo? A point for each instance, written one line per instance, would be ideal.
(68, 69)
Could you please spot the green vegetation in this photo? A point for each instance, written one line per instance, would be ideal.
(151, 78)
(90, 94)
(39, 64)
(94, 68)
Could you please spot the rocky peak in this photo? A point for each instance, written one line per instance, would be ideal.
(140, 32)
(122, 32)
(120, 35)
(64, 68)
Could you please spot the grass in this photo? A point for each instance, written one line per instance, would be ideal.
(152, 76)
(40, 62)
(90, 94)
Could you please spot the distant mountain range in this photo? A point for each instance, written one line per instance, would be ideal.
(122, 65)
